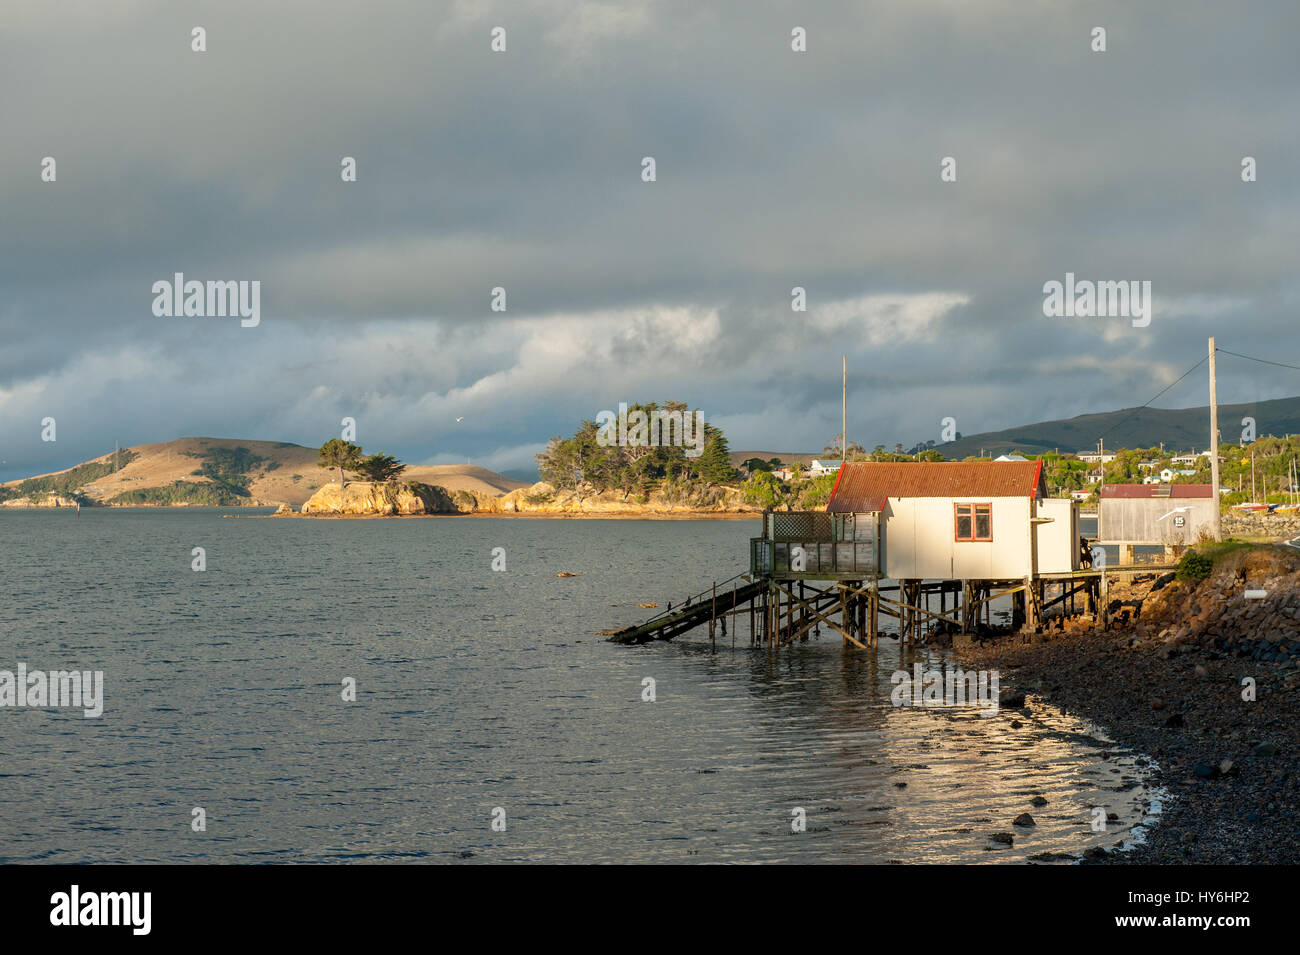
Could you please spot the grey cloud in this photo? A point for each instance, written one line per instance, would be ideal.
(522, 170)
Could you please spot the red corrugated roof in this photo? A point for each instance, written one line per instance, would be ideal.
(1157, 490)
(864, 485)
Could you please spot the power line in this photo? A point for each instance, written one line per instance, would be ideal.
(1262, 361)
(1157, 395)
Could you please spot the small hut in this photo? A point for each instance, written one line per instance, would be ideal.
(1168, 514)
(952, 520)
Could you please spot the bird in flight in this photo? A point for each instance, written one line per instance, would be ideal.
(460, 419)
(1176, 510)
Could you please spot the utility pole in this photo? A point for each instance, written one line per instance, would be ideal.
(844, 413)
(1214, 446)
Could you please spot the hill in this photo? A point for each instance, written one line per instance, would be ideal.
(229, 471)
(1180, 429)
(787, 457)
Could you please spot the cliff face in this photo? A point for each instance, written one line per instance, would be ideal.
(369, 498)
(543, 498)
(44, 499)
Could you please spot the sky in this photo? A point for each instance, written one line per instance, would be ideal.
(523, 170)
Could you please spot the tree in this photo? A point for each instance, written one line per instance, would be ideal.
(344, 455)
(763, 489)
(652, 454)
(756, 464)
(854, 449)
(714, 464)
(380, 467)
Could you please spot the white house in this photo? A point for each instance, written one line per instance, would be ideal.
(952, 520)
(817, 467)
(1094, 457)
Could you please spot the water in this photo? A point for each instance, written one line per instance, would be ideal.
(479, 690)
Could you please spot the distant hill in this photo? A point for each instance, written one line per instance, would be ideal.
(528, 476)
(787, 457)
(233, 471)
(1180, 429)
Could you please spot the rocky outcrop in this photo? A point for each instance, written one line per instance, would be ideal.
(368, 498)
(47, 499)
(543, 498)
(1214, 614)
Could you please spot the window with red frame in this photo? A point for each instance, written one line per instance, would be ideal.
(974, 522)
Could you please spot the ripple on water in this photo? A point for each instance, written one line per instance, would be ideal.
(478, 690)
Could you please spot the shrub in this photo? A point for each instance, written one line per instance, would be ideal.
(763, 489)
(1194, 566)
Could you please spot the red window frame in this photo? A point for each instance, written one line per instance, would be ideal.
(973, 513)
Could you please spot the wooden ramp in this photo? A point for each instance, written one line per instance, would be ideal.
(702, 609)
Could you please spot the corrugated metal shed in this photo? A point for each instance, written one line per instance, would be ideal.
(864, 485)
(1156, 490)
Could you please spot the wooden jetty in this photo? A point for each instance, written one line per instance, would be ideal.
(700, 609)
(960, 536)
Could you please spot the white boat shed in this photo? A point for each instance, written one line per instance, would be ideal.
(954, 520)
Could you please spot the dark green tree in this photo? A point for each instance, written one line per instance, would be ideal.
(380, 467)
(714, 464)
(337, 453)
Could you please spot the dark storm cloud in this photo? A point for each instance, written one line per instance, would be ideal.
(521, 170)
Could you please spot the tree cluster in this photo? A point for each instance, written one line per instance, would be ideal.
(346, 456)
(589, 458)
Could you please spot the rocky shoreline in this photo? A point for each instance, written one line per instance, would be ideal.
(413, 499)
(1203, 680)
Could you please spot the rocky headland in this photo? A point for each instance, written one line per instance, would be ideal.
(543, 499)
(371, 499)
(45, 499)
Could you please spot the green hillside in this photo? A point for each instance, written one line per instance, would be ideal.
(1180, 429)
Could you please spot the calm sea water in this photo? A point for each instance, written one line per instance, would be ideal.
(478, 690)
